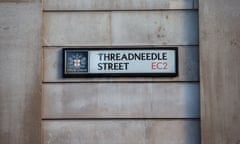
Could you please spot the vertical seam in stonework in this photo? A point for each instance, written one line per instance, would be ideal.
(43, 5)
(110, 23)
(193, 4)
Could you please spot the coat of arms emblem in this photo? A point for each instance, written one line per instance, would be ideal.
(76, 61)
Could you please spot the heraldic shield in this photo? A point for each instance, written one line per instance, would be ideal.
(76, 61)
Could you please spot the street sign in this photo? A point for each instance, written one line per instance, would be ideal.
(120, 62)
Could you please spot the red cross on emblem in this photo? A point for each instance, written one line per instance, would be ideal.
(76, 62)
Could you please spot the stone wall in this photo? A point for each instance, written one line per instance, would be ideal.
(20, 72)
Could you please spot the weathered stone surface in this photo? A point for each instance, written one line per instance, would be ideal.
(114, 100)
(188, 67)
(117, 4)
(74, 29)
(121, 132)
(220, 71)
(155, 28)
(15, 0)
(20, 73)
(120, 28)
(98, 104)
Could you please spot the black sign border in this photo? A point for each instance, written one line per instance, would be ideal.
(107, 75)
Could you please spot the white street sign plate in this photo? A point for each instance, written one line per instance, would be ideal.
(112, 62)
